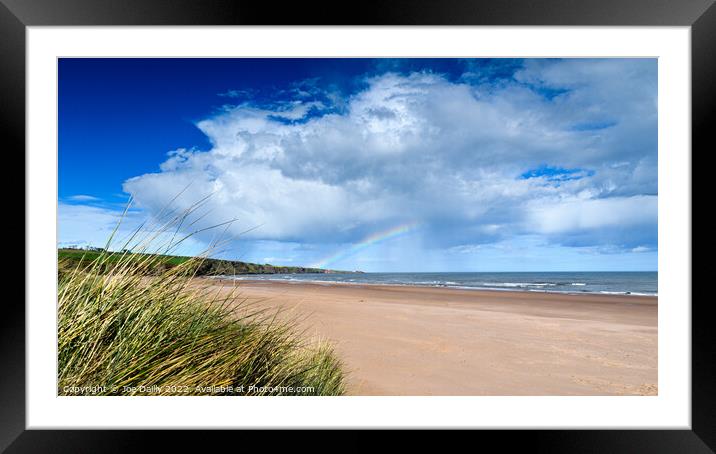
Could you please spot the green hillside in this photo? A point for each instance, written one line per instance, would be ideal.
(70, 258)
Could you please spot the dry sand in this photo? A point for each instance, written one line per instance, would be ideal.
(401, 340)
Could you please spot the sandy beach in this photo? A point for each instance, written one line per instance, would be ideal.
(403, 340)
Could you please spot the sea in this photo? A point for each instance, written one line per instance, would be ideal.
(616, 283)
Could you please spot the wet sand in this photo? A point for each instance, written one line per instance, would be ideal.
(411, 340)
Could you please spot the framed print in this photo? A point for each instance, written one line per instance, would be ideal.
(455, 215)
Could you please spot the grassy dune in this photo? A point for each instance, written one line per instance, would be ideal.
(127, 326)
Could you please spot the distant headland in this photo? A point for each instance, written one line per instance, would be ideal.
(70, 257)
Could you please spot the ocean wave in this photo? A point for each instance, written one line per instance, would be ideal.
(604, 292)
(519, 284)
(558, 286)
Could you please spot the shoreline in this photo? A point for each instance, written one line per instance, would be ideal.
(448, 287)
(417, 340)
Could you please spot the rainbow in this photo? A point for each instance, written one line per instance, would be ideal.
(379, 237)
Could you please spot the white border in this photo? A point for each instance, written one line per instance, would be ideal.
(670, 409)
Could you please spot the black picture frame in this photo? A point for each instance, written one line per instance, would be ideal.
(16, 15)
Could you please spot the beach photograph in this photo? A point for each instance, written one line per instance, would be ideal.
(357, 227)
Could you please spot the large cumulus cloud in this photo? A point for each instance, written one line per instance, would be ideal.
(564, 149)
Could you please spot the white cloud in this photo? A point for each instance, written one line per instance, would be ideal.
(560, 216)
(641, 249)
(83, 198)
(275, 260)
(419, 147)
(82, 225)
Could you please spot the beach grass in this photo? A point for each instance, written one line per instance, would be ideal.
(126, 329)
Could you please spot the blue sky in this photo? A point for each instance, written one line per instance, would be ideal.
(371, 164)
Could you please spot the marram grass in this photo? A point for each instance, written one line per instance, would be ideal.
(123, 330)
